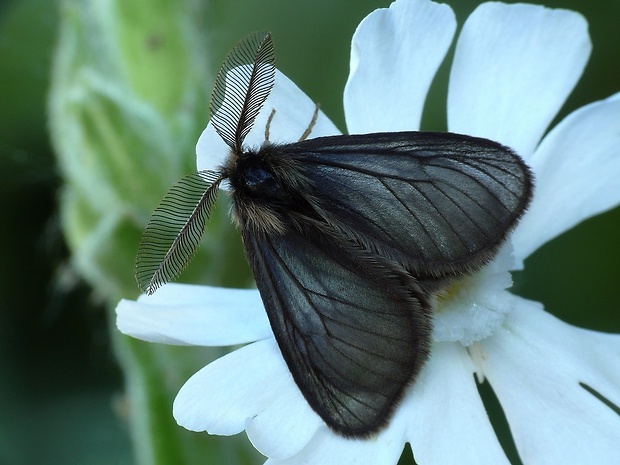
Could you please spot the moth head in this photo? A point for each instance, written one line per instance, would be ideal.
(268, 189)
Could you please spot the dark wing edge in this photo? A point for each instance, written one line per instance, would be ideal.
(439, 204)
(354, 335)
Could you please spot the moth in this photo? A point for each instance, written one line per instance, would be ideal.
(349, 238)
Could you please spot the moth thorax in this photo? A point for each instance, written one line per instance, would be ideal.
(258, 217)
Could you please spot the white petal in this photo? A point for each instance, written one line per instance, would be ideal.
(448, 422)
(477, 304)
(294, 112)
(286, 427)
(211, 150)
(328, 448)
(195, 315)
(223, 395)
(514, 67)
(577, 169)
(395, 54)
(535, 364)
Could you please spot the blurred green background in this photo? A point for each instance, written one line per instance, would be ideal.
(61, 388)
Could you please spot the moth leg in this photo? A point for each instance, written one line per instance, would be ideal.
(268, 125)
(315, 116)
(305, 134)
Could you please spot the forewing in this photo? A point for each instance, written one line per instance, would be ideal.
(353, 334)
(438, 203)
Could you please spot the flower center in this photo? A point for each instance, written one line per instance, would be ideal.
(472, 308)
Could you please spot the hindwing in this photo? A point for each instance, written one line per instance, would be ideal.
(352, 331)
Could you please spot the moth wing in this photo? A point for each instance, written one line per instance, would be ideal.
(352, 332)
(438, 203)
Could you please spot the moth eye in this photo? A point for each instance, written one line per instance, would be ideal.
(261, 182)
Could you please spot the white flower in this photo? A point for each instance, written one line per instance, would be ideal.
(514, 66)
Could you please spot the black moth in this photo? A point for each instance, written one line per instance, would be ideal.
(349, 238)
